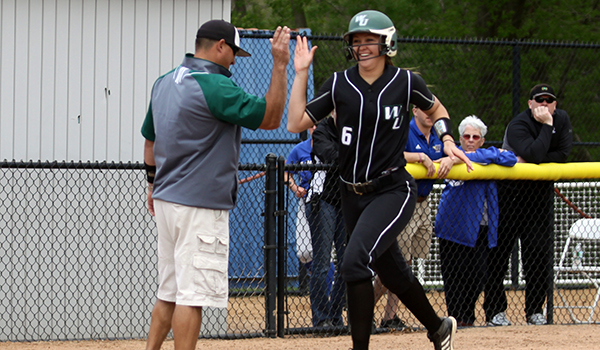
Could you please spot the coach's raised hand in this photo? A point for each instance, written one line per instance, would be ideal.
(277, 94)
(280, 46)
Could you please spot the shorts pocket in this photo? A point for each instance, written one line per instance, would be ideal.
(210, 276)
(213, 245)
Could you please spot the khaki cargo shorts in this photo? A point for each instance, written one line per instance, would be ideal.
(193, 254)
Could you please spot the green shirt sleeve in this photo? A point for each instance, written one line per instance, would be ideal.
(148, 126)
(230, 103)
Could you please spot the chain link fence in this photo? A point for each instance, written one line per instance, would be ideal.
(78, 246)
(78, 252)
(487, 78)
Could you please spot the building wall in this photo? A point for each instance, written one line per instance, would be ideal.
(76, 75)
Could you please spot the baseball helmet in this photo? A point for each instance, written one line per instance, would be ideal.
(375, 22)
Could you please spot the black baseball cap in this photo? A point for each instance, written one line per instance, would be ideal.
(218, 29)
(540, 90)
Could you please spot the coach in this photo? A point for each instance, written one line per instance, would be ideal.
(193, 139)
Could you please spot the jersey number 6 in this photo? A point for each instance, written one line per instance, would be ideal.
(346, 138)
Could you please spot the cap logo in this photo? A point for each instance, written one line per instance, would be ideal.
(362, 20)
(544, 88)
(237, 38)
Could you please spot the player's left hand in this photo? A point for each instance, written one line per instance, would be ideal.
(453, 152)
(303, 56)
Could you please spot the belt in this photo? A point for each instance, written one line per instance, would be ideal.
(421, 199)
(384, 180)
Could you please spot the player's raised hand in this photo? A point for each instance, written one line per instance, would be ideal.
(280, 45)
(452, 151)
(303, 56)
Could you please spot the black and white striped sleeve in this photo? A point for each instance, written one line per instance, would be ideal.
(322, 105)
(420, 95)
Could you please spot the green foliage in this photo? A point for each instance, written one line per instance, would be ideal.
(472, 78)
(574, 20)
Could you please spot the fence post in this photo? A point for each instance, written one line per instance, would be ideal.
(516, 92)
(281, 246)
(516, 79)
(550, 283)
(270, 244)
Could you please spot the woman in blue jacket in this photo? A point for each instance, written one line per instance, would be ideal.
(467, 224)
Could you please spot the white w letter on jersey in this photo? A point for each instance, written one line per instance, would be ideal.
(390, 112)
(362, 20)
(393, 112)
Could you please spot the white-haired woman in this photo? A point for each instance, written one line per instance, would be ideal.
(467, 224)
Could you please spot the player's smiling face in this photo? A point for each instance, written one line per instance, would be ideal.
(365, 46)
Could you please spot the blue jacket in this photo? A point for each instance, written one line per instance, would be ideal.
(300, 154)
(434, 150)
(461, 207)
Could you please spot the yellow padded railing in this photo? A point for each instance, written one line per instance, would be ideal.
(521, 171)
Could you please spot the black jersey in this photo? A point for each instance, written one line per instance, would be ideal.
(371, 119)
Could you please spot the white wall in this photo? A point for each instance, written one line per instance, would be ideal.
(75, 75)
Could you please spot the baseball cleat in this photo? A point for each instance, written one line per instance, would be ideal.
(499, 319)
(443, 339)
(536, 319)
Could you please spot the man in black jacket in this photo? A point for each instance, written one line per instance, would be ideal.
(540, 134)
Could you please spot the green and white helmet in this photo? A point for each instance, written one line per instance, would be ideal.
(371, 21)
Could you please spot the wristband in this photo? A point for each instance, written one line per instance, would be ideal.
(150, 172)
(420, 158)
(442, 128)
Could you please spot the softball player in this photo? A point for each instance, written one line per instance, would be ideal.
(372, 101)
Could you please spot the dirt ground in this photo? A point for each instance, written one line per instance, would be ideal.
(249, 313)
(564, 337)
(246, 315)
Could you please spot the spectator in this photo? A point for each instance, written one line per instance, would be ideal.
(467, 225)
(301, 154)
(193, 137)
(327, 230)
(310, 250)
(540, 134)
(423, 147)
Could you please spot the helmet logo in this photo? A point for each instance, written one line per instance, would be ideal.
(362, 20)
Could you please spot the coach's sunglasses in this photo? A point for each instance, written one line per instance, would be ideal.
(474, 137)
(541, 99)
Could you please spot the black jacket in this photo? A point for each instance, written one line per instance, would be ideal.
(540, 143)
(326, 148)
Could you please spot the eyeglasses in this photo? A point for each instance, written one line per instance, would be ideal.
(235, 49)
(540, 99)
(474, 137)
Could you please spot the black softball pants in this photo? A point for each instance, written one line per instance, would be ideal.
(526, 213)
(373, 221)
(464, 274)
